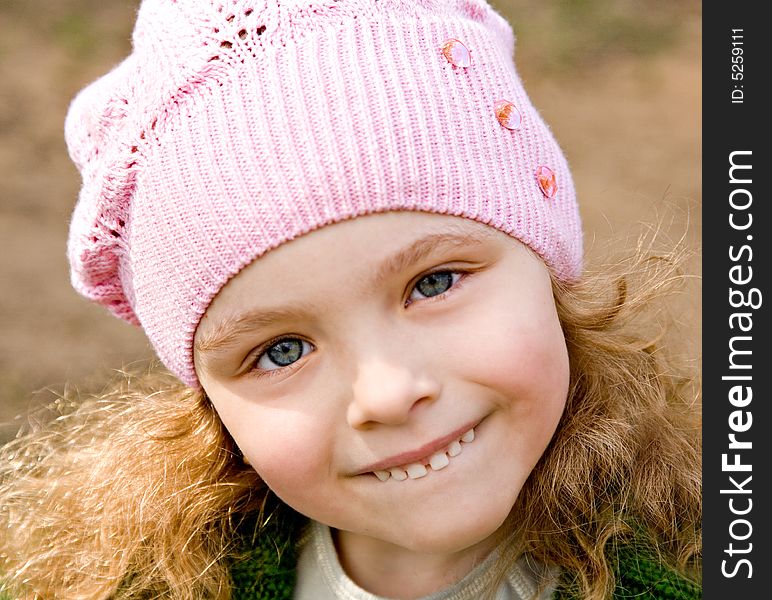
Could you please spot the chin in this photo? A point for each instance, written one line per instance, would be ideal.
(445, 533)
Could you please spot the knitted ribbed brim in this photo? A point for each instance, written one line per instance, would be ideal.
(235, 126)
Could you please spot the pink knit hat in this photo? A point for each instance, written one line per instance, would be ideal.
(235, 126)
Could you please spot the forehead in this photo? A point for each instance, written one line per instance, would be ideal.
(357, 246)
(304, 273)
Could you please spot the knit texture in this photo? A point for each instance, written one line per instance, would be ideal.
(265, 564)
(640, 576)
(235, 126)
(266, 571)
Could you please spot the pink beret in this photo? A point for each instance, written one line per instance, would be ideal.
(234, 127)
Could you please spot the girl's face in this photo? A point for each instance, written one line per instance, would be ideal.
(374, 345)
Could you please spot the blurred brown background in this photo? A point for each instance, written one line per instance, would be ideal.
(617, 80)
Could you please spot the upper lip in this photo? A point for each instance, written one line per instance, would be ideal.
(421, 453)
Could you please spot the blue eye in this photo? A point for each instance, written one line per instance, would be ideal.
(281, 353)
(285, 352)
(436, 284)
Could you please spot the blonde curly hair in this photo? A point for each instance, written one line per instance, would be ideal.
(624, 465)
(137, 491)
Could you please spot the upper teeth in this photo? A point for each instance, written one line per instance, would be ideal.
(438, 460)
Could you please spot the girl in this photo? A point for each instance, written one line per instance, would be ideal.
(356, 245)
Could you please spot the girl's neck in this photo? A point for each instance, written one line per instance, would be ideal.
(386, 569)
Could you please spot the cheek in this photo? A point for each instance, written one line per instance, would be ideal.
(290, 450)
(524, 357)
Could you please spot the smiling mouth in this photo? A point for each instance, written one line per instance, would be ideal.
(435, 461)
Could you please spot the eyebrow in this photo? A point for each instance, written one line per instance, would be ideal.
(227, 332)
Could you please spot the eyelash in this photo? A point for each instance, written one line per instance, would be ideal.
(253, 371)
(444, 295)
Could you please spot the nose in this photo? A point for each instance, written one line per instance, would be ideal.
(386, 392)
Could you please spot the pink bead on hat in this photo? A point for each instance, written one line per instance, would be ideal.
(235, 126)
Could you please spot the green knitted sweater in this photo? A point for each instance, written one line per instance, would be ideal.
(266, 570)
